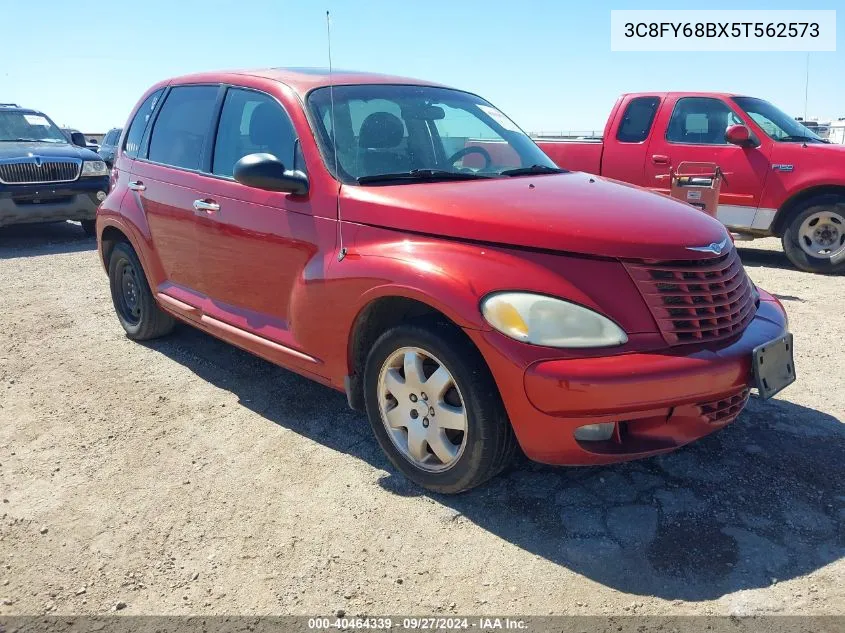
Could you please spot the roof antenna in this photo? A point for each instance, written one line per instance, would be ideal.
(342, 253)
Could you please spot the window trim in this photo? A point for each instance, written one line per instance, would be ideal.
(121, 145)
(650, 124)
(716, 99)
(219, 115)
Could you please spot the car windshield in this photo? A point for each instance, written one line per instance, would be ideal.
(395, 134)
(777, 125)
(28, 126)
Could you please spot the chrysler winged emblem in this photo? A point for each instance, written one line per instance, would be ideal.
(715, 247)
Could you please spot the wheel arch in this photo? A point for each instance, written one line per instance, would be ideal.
(796, 200)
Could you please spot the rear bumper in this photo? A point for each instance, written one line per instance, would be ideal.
(660, 401)
(22, 204)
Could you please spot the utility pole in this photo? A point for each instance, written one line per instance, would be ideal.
(806, 85)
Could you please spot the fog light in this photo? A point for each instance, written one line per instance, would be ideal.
(101, 195)
(595, 432)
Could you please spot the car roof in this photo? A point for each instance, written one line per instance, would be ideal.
(303, 80)
(726, 95)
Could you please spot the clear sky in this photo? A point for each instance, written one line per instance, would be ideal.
(547, 64)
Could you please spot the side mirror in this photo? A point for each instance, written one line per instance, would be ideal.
(265, 171)
(740, 135)
(78, 138)
(93, 141)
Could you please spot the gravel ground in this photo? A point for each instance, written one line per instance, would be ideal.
(185, 476)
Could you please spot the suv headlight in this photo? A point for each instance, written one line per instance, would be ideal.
(541, 320)
(94, 168)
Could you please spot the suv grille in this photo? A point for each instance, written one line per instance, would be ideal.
(697, 300)
(27, 171)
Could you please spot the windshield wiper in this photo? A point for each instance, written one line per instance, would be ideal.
(800, 139)
(419, 175)
(534, 169)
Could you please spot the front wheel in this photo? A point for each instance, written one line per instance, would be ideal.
(435, 409)
(814, 239)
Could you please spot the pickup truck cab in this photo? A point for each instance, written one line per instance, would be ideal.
(44, 177)
(781, 179)
(349, 228)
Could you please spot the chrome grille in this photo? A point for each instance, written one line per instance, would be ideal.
(696, 300)
(30, 171)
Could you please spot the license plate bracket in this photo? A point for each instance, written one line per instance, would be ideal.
(773, 366)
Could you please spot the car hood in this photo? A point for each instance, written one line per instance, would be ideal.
(570, 212)
(27, 149)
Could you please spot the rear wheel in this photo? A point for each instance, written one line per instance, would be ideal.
(134, 303)
(814, 239)
(435, 409)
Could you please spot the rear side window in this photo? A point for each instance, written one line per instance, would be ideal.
(637, 120)
(700, 121)
(139, 124)
(180, 130)
(252, 122)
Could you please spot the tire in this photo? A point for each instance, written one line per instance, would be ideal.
(830, 208)
(90, 227)
(141, 318)
(487, 445)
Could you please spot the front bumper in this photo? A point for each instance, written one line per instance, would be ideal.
(23, 204)
(659, 400)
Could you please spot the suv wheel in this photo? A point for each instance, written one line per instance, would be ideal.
(435, 409)
(135, 305)
(89, 226)
(814, 240)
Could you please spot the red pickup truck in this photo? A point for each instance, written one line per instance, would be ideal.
(780, 178)
(333, 225)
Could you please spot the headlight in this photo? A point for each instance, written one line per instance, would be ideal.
(94, 168)
(541, 320)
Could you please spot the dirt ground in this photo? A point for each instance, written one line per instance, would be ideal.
(185, 476)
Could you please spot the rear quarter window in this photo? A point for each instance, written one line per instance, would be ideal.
(139, 124)
(637, 120)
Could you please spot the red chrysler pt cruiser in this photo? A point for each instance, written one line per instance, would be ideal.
(409, 244)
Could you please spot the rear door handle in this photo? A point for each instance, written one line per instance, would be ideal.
(659, 159)
(137, 185)
(206, 207)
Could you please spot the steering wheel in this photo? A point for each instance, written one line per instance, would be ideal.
(472, 149)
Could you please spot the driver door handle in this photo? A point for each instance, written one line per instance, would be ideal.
(206, 207)
(659, 159)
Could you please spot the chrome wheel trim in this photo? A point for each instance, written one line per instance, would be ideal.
(422, 409)
(822, 234)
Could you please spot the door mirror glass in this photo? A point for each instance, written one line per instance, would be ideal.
(739, 135)
(265, 171)
(78, 138)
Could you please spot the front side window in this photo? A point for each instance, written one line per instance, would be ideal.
(139, 124)
(402, 129)
(28, 126)
(637, 120)
(776, 124)
(700, 121)
(181, 128)
(250, 123)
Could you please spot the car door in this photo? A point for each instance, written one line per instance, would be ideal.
(163, 180)
(693, 129)
(253, 244)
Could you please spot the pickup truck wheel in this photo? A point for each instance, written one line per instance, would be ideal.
(89, 226)
(435, 409)
(135, 305)
(814, 239)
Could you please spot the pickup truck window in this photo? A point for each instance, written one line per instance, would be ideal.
(251, 122)
(417, 130)
(637, 120)
(700, 121)
(777, 125)
(181, 127)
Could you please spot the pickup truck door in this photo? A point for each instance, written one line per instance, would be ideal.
(624, 155)
(693, 129)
